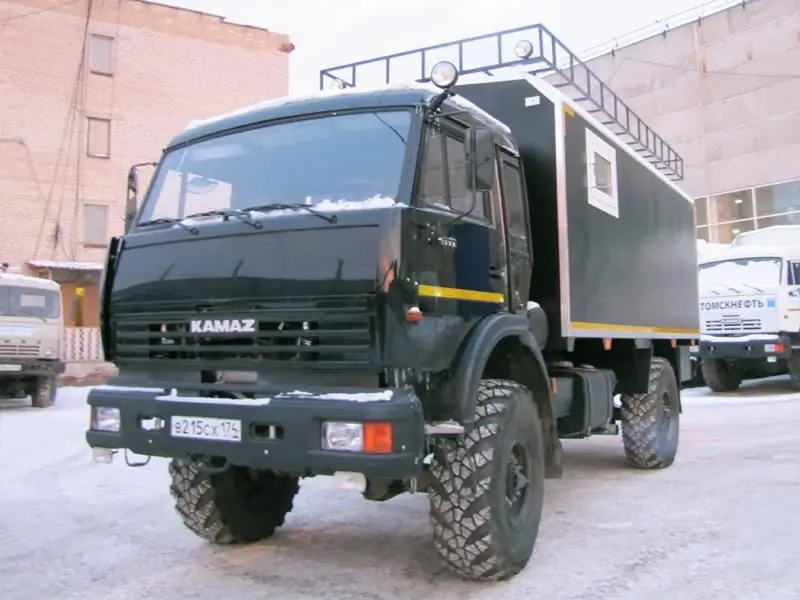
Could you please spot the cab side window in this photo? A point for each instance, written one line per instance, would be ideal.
(444, 177)
(794, 273)
(514, 200)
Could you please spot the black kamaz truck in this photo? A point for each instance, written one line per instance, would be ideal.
(429, 284)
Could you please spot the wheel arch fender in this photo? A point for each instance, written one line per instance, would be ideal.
(504, 345)
(501, 332)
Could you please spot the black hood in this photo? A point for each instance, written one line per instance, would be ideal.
(229, 261)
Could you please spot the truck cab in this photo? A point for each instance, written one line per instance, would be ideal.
(31, 337)
(750, 314)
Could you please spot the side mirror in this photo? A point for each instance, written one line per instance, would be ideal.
(481, 158)
(132, 199)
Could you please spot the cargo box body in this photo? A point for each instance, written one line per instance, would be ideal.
(610, 261)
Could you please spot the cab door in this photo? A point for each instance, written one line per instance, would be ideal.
(465, 259)
(516, 226)
(792, 298)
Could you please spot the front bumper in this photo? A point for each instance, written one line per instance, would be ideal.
(753, 346)
(30, 367)
(281, 431)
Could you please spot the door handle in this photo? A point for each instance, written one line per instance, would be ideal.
(497, 272)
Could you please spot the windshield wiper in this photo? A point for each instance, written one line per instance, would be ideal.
(752, 287)
(179, 222)
(270, 207)
(228, 212)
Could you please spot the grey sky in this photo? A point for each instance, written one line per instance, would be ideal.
(328, 32)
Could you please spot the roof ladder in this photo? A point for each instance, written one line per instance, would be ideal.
(548, 59)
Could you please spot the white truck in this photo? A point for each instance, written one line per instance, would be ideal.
(31, 334)
(750, 314)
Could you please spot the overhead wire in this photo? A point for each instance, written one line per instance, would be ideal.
(68, 130)
(38, 11)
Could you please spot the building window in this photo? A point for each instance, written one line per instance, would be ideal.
(101, 54)
(723, 233)
(734, 206)
(601, 174)
(778, 204)
(98, 137)
(701, 212)
(95, 224)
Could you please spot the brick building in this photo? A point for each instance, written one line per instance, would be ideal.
(724, 90)
(90, 87)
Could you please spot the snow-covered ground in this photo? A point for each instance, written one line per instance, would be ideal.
(721, 523)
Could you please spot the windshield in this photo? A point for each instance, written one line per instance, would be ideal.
(757, 272)
(18, 301)
(348, 158)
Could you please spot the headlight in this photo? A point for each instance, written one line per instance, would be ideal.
(369, 438)
(348, 437)
(105, 418)
(49, 352)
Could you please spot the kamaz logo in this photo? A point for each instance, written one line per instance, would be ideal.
(223, 326)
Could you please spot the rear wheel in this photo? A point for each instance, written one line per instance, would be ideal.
(721, 375)
(44, 391)
(238, 505)
(651, 421)
(487, 487)
(794, 369)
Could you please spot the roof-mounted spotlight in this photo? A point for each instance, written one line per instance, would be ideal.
(523, 49)
(444, 75)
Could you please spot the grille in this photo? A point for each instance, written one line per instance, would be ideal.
(27, 349)
(335, 332)
(732, 325)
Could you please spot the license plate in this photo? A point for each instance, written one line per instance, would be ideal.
(204, 428)
(8, 368)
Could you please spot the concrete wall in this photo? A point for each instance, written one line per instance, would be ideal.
(724, 91)
(169, 66)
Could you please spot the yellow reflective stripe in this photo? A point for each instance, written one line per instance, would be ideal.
(642, 328)
(435, 291)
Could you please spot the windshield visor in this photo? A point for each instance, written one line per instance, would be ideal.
(346, 160)
(28, 302)
(754, 272)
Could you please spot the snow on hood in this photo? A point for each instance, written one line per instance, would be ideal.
(325, 205)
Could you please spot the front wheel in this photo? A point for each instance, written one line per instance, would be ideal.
(236, 506)
(44, 392)
(721, 375)
(651, 421)
(487, 487)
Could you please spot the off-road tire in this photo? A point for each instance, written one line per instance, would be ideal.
(720, 375)
(651, 421)
(44, 391)
(794, 369)
(469, 511)
(229, 507)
